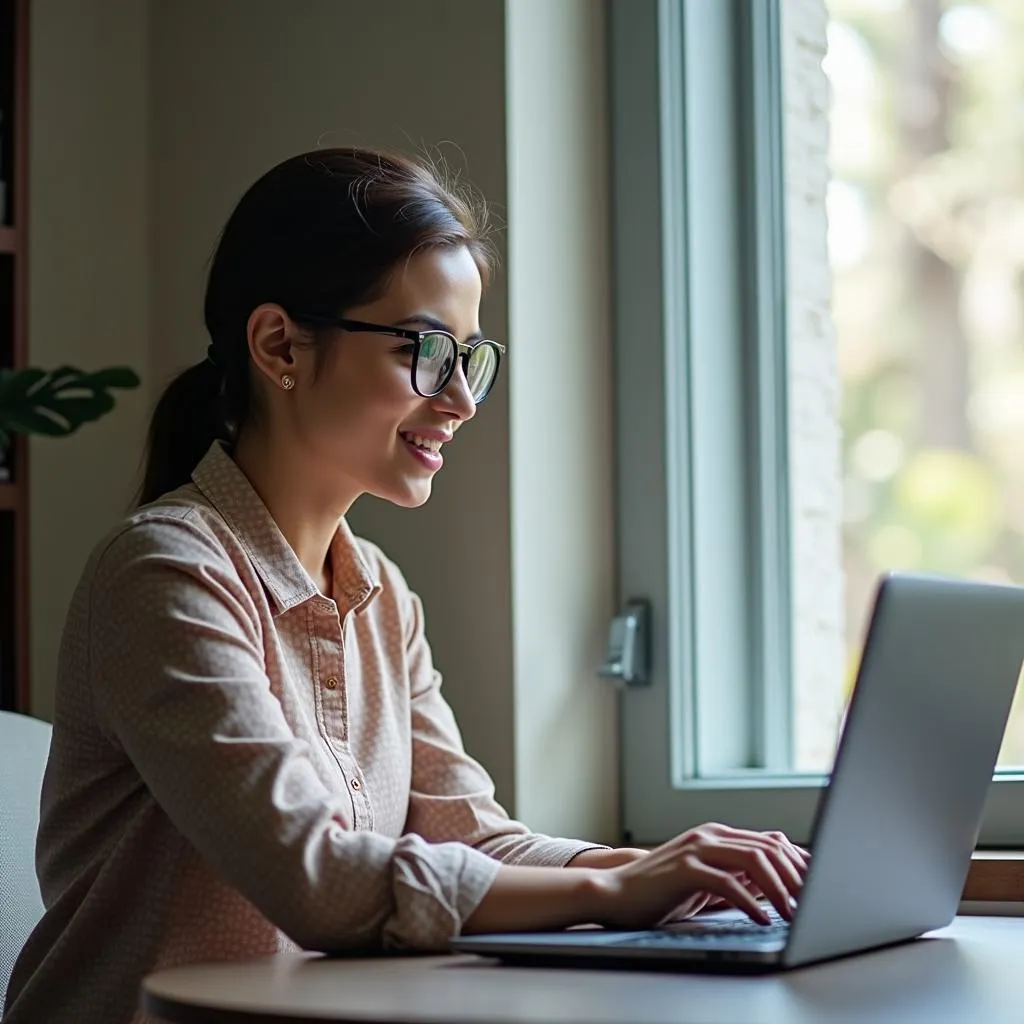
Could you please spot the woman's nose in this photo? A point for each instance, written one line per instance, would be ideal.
(457, 399)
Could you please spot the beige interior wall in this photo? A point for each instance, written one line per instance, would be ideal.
(88, 283)
(561, 424)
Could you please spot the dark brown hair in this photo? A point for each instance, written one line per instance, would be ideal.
(319, 233)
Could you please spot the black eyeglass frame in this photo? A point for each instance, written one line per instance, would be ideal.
(462, 350)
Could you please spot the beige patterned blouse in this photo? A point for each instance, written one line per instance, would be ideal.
(241, 765)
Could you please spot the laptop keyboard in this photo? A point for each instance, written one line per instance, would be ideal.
(731, 931)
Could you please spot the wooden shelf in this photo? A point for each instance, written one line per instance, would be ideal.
(14, 527)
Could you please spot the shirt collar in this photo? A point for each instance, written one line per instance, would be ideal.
(228, 490)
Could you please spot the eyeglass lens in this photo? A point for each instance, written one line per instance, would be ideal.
(434, 365)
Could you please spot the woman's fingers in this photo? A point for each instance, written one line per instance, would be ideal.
(713, 865)
(727, 887)
(790, 860)
(788, 871)
(799, 853)
(773, 836)
(750, 886)
(765, 873)
(762, 861)
(689, 908)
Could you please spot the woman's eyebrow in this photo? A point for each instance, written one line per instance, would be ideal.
(436, 325)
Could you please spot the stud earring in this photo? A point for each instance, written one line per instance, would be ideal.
(287, 381)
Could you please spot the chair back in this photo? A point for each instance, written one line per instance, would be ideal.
(24, 745)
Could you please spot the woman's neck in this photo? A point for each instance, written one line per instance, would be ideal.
(305, 514)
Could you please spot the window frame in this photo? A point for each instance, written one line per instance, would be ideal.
(703, 529)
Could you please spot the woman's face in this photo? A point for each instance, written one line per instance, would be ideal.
(358, 418)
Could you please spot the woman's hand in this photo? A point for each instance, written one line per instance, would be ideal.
(711, 865)
(707, 866)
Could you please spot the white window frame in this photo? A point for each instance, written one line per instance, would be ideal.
(701, 434)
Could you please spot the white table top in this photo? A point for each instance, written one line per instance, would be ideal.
(972, 971)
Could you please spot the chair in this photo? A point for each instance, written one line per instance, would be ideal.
(24, 745)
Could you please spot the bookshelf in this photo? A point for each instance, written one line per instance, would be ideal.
(14, 667)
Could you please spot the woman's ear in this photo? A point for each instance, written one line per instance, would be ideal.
(271, 335)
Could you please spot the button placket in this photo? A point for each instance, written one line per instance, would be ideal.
(330, 672)
(362, 813)
(330, 677)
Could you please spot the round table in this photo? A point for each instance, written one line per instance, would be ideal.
(968, 972)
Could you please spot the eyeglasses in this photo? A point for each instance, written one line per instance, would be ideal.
(434, 355)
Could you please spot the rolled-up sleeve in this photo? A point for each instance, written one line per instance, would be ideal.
(452, 796)
(178, 674)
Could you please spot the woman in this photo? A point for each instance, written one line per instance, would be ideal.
(251, 752)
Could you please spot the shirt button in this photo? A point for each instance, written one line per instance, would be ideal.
(356, 784)
(331, 683)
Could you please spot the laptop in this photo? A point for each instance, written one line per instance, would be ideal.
(895, 828)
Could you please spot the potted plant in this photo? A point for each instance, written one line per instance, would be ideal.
(56, 402)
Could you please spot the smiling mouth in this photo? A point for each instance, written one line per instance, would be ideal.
(423, 443)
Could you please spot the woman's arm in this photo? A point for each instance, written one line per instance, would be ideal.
(451, 795)
(538, 899)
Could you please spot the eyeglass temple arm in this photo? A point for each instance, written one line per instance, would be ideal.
(395, 332)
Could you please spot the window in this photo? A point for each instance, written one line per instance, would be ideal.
(819, 368)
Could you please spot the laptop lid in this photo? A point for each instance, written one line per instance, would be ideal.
(895, 829)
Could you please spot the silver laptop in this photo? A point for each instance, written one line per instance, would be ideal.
(894, 832)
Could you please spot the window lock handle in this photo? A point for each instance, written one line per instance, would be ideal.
(626, 658)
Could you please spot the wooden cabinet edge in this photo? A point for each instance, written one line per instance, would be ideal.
(996, 876)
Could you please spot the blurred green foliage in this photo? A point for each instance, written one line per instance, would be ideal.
(56, 402)
(926, 233)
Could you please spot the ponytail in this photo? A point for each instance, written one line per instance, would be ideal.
(188, 418)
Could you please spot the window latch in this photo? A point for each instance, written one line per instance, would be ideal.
(626, 658)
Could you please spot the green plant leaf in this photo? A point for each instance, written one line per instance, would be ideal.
(57, 402)
(27, 420)
(21, 383)
(55, 380)
(88, 407)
